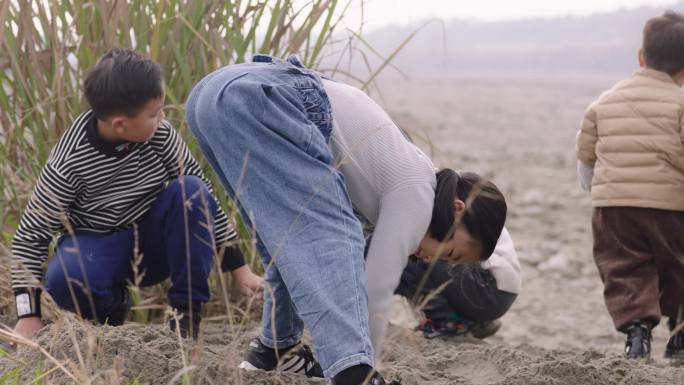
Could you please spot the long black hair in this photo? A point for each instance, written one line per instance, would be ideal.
(485, 211)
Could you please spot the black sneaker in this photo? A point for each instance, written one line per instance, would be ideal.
(378, 380)
(190, 316)
(297, 359)
(357, 373)
(638, 343)
(119, 314)
(675, 345)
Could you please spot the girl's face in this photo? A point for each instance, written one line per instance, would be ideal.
(461, 248)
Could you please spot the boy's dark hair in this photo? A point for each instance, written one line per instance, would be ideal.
(122, 81)
(485, 212)
(663, 44)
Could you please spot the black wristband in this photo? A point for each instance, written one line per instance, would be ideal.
(27, 300)
(232, 258)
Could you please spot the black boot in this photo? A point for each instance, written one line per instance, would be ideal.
(675, 345)
(190, 316)
(638, 343)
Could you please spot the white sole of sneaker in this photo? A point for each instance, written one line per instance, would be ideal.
(247, 366)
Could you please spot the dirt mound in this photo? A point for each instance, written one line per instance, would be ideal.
(464, 361)
(152, 355)
(136, 353)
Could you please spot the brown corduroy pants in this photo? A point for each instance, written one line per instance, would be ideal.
(639, 253)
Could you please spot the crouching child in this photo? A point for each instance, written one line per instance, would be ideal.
(466, 297)
(121, 184)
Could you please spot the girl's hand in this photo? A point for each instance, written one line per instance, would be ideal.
(248, 283)
(422, 255)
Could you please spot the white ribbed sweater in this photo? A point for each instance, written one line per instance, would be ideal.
(391, 183)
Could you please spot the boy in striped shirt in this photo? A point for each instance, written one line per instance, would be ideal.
(122, 186)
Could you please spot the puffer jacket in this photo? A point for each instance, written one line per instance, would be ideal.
(633, 136)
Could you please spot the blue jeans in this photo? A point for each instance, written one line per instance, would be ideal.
(89, 271)
(264, 127)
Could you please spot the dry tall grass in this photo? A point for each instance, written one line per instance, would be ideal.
(47, 46)
(45, 49)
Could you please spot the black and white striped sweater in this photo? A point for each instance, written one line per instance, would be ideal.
(89, 184)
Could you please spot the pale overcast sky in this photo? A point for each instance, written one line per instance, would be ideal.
(383, 12)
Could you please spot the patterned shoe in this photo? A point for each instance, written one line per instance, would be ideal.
(297, 359)
(442, 328)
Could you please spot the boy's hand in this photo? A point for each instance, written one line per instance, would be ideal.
(249, 284)
(27, 327)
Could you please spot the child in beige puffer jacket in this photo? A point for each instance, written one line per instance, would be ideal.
(631, 153)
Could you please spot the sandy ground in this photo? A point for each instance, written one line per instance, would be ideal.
(521, 133)
(518, 132)
(152, 355)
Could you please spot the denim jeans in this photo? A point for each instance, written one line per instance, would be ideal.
(172, 237)
(264, 127)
